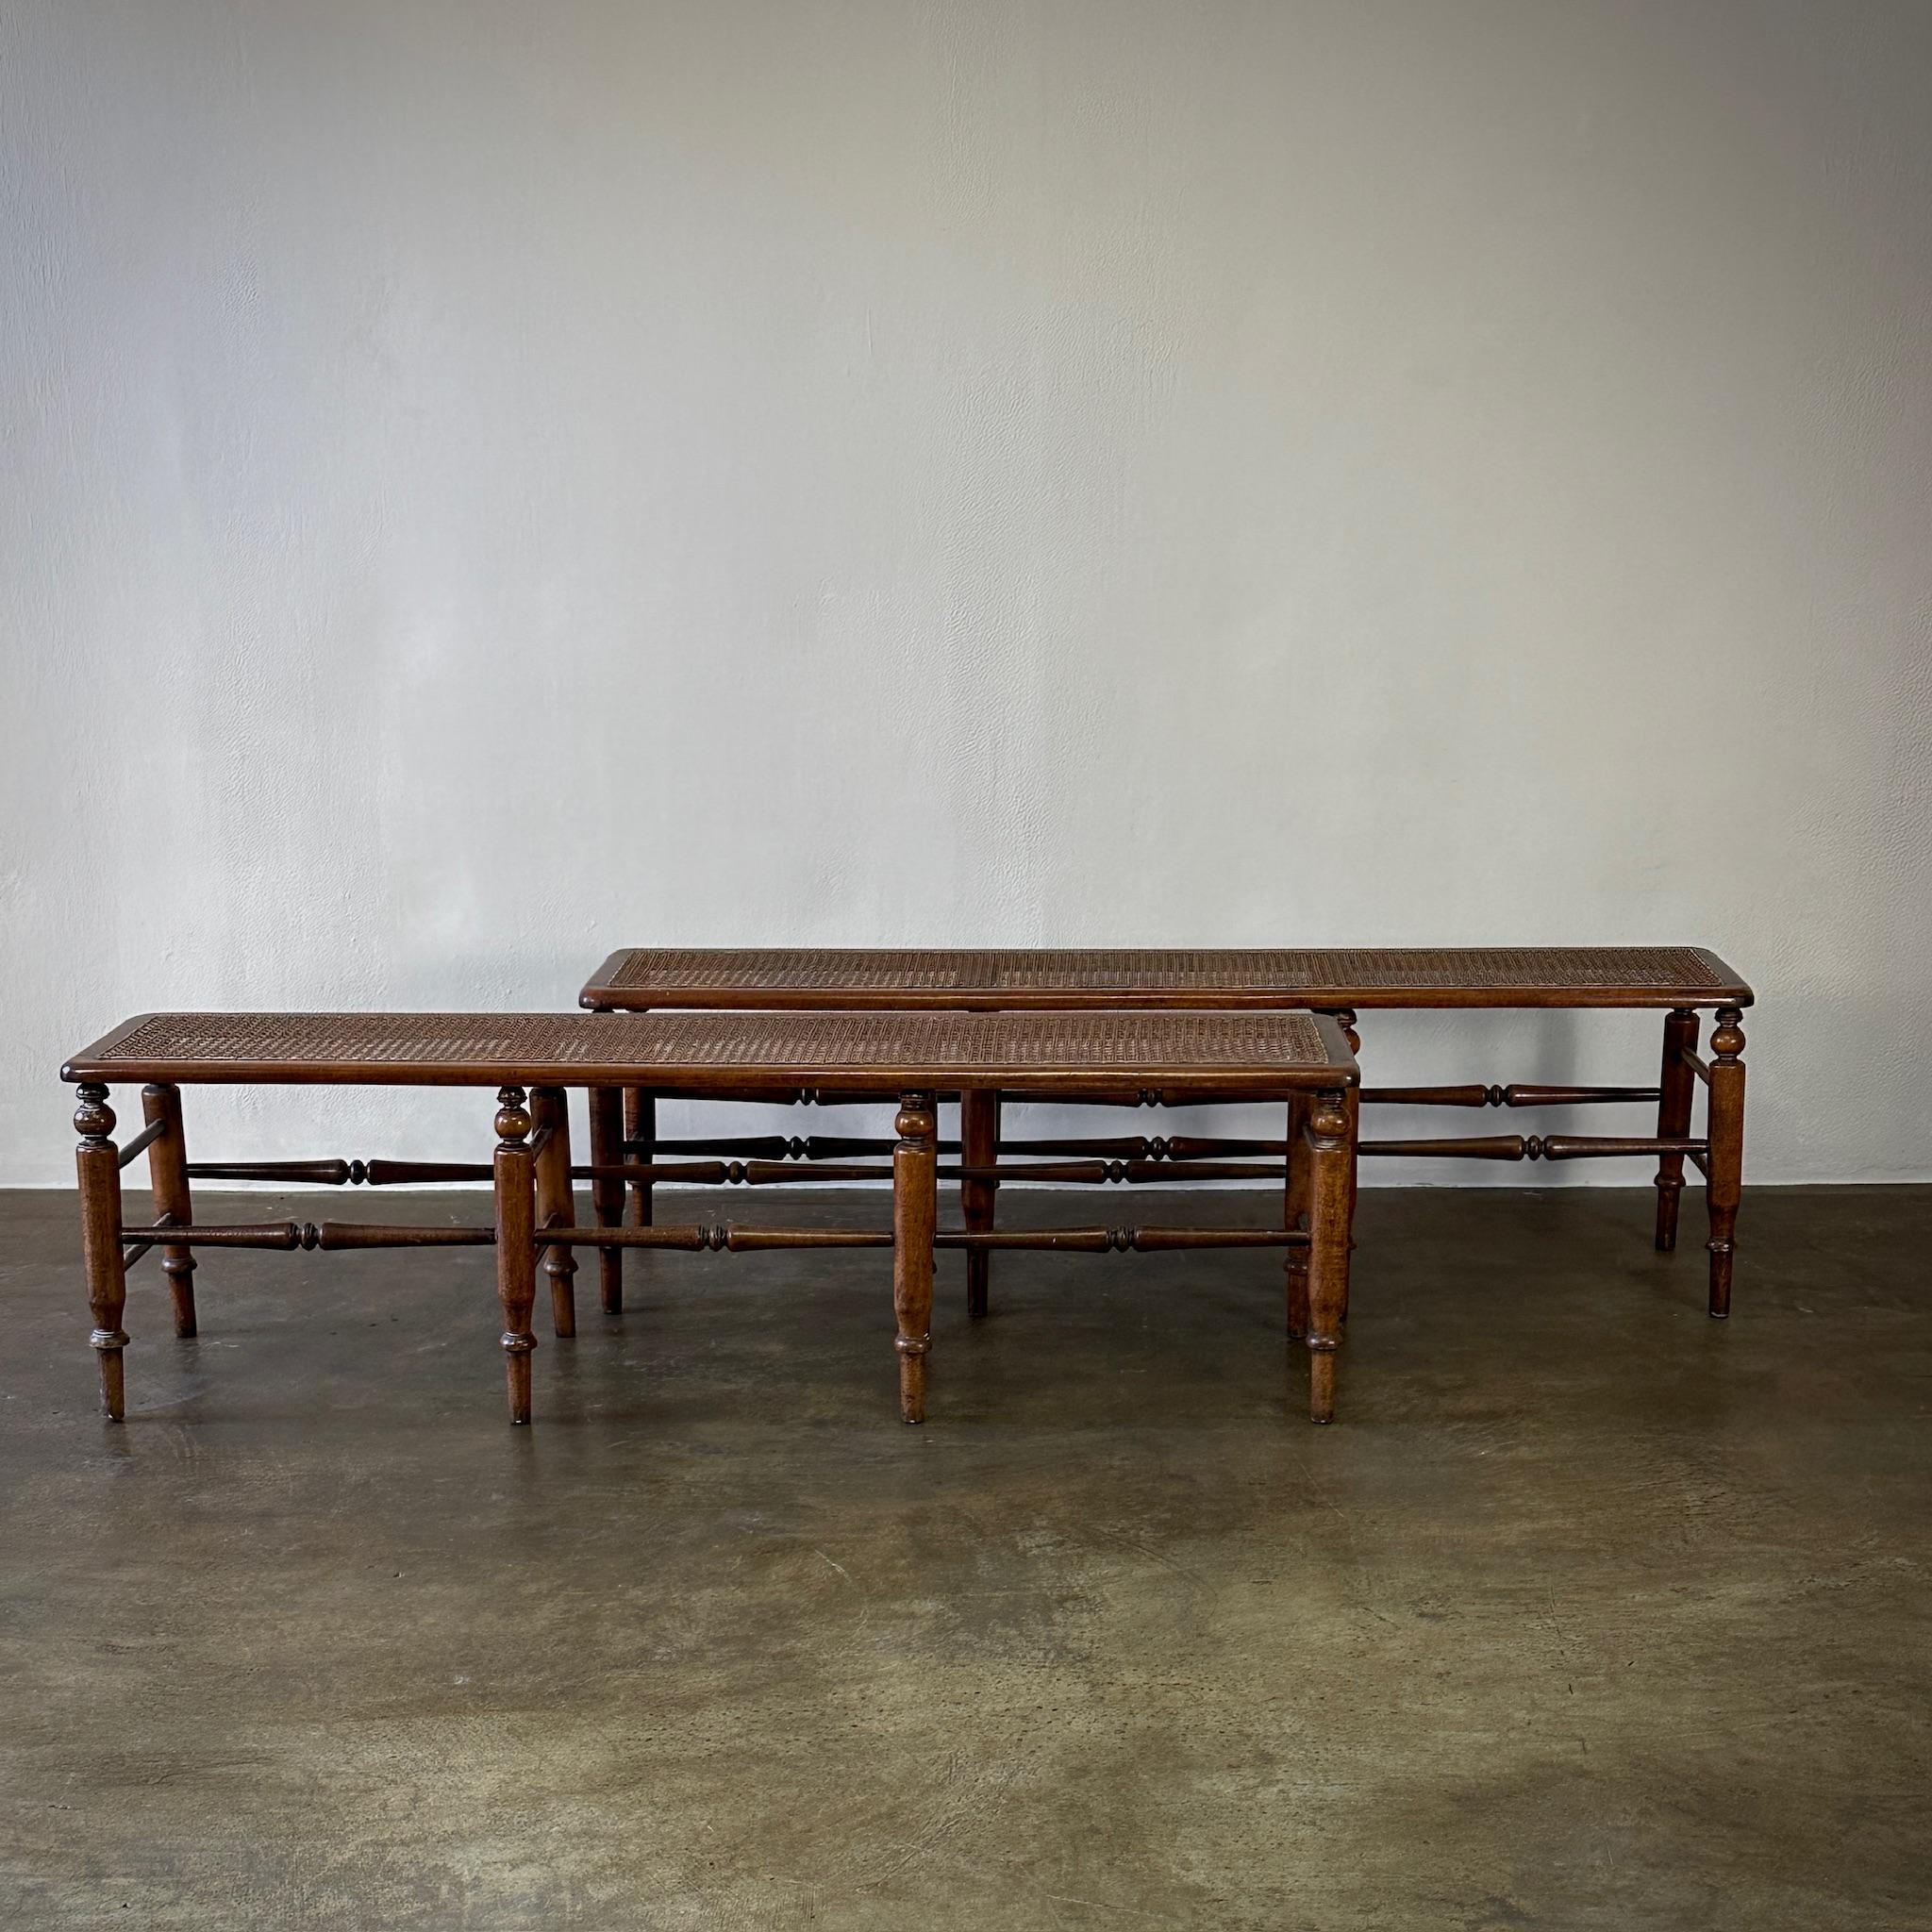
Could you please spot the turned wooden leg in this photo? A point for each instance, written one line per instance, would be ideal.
(167, 1172)
(980, 1146)
(915, 1209)
(556, 1204)
(1725, 1183)
(1677, 1089)
(1328, 1230)
(640, 1137)
(516, 1249)
(607, 1197)
(99, 1164)
(1295, 1214)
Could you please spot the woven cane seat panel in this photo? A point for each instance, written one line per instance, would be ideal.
(1342, 974)
(1541, 968)
(819, 1045)
(831, 970)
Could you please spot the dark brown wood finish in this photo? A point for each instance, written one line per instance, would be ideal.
(1272, 1055)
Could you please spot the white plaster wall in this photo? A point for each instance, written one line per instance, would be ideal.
(486, 482)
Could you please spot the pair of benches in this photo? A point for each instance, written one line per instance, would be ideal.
(1108, 1027)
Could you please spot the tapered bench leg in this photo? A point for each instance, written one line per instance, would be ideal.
(606, 1196)
(1723, 1184)
(1295, 1214)
(167, 1170)
(516, 1250)
(980, 1146)
(98, 1161)
(1330, 1186)
(915, 1210)
(641, 1137)
(555, 1204)
(1677, 1089)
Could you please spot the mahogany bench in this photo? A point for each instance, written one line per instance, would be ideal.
(1285, 1056)
(1680, 980)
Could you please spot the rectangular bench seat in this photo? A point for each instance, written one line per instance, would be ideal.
(1064, 979)
(532, 1059)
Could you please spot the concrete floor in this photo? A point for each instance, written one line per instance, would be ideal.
(1590, 1614)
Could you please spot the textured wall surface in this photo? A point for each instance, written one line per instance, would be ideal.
(483, 483)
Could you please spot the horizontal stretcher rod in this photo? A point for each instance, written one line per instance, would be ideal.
(1522, 1095)
(1534, 1147)
(785, 1174)
(845, 1147)
(1474, 1147)
(714, 1237)
(144, 1139)
(1146, 1240)
(323, 1174)
(1589, 1146)
(355, 1234)
(290, 1234)
(1159, 1172)
(1187, 1147)
(1696, 1062)
(744, 1148)
(1431, 1096)
(256, 1234)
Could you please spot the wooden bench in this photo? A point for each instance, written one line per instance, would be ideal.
(1343, 981)
(1290, 1057)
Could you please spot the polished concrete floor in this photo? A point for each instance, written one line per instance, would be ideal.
(1590, 1612)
